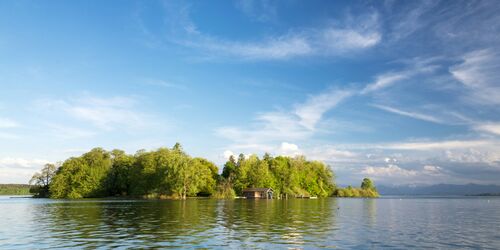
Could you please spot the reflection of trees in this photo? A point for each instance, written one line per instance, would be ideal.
(144, 223)
(370, 210)
(290, 222)
(193, 222)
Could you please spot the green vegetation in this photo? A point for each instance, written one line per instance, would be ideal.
(171, 173)
(41, 180)
(287, 176)
(367, 190)
(14, 189)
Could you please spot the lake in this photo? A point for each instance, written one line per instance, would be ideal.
(389, 222)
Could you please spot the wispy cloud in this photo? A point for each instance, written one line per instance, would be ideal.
(410, 20)
(385, 80)
(493, 128)
(479, 73)
(289, 149)
(103, 113)
(163, 83)
(312, 111)
(21, 162)
(331, 153)
(18, 170)
(297, 124)
(333, 39)
(390, 170)
(388, 79)
(260, 10)
(435, 145)
(68, 132)
(281, 47)
(414, 115)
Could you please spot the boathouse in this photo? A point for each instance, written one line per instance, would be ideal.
(258, 193)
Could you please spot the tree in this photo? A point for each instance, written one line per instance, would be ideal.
(367, 184)
(229, 169)
(171, 172)
(82, 177)
(119, 181)
(258, 173)
(41, 180)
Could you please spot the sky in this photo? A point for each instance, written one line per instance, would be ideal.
(404, 92)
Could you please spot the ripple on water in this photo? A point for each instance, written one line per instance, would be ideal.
(322, 223)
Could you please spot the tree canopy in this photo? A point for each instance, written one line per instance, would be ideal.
(367, 189)
(170, 172)
(41, 180)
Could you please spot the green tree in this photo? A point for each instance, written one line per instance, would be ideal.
(229, 169)
(367, 184)
(41, 180)
(81, 177)
(119, 181)
(258, 174)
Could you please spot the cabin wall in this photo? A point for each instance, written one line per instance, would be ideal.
(253, 195)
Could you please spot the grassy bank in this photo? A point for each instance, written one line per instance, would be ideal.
(14, 189)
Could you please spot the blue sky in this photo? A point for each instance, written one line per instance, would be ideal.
(405, 92)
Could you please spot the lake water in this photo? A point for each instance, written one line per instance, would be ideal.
(465, 222)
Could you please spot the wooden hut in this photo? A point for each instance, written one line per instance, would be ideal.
(258, 193)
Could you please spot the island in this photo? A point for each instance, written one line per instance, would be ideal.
(172, 173)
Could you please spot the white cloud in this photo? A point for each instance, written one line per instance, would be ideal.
(432, 170)
(285, 146)
(298, 124)
(386, 80)
(394, 174)
(479, 73)
(435, 145)
(347, 39)
(227, 154)
(329, 153)
(414, 115)
(163, 83)
(281, 47)
(493, 128)
(390, 170)
(21, 162)
(19, 170)
(410, 20)
(312, 111)
(331, 40)
(103, 113)
(289, 149)
(489, 155)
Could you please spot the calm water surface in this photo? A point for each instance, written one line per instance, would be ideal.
(466, 222)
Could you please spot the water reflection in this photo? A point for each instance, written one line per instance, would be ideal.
(263, 224)
(370, 210)
(196, 222)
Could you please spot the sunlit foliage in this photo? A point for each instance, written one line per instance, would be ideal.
(172, 173)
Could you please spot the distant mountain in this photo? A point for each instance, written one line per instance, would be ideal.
(439, 189)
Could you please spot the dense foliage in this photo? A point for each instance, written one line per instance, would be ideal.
(170, 172)
(287, 176)
(161, 173)
(14, 189)
(367, 190)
